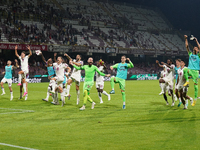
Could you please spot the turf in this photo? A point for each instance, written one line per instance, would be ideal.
(146, 123)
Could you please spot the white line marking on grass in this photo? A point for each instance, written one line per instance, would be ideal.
(15, 111)
(4, 144)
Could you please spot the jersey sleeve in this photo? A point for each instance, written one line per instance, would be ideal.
(79, 68)
(130, 65)
(19, 57)
(65, 65)
(27, 56)
(115, 66)
(189, 53)
(54, 64)
(99, 72)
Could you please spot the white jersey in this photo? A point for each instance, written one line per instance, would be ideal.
(182, 80)
(76, 74)
(24, 63)
(171, 72)
(60, 69)
(100, 78)
(164, 73)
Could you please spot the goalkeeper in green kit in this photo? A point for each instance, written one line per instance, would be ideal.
(90, 70)
(193, 67)
(122, 69)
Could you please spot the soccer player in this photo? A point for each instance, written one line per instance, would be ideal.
(178, 61)
(90, 70)
(169, 78)
(165, 86)
(75, 76)
(24, 66)
(59, 67)
(8, 78)
(100, 81)
(51, 74)
(193, 67)
(122, 69)
(183, 90)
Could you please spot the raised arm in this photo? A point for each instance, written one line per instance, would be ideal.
(30, 52)
(186, 44)
(16, 54)
(16, 64)
(197, 43)
(157, 62)
(130, 65)
(43, 58)
(55, 54)
(68, 57)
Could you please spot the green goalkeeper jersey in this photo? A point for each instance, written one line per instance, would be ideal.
(89, 71)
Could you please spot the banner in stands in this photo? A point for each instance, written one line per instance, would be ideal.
(23, 46)
(80, 49)
(96, 50)
(110, 50)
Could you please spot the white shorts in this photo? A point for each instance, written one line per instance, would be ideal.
(181, 87)
(170, 82)
(59, 79)
(100, 85)
(76, 81)
(9, 81)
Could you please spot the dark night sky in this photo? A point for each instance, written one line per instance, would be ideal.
(182, 14)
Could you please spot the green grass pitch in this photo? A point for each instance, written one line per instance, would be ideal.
(146, 123)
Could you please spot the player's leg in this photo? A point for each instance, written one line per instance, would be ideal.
(26, 96)
(86, 88)
(104, 92)
(24, 86)
(171, 92)
(185, 89)
(53, 84)
(195, 77)
(20, 73)
(112, 83)
(182, 99)
(164, 95)
(2, 87)
(122, 87)
(21, 89)
(77, 92)
(48, 91)
(69, 82)
(62, 94)
(99, 92)
(10, 88)
(162, 85)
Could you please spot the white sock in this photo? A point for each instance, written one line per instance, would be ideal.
(162, 86)
(100, 98)
(53, 83)
(24, 86)
(20, 78)
(124, 103)
(62, 95)
(180, 100)
(186, 101)
(105, 93)
(49, 89)
(56, 96)
(3, 90)
(11, 93)
(68, 89)
(113, 89)
(78, 94)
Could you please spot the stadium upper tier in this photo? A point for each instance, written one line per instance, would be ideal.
(89, 23)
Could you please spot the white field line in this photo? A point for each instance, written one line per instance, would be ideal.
(4, 144)
(17, 111)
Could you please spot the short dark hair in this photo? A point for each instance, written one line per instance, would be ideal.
(80, 55)
(24, 52)
(171, 60)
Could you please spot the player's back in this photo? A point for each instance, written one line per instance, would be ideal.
(50, 70)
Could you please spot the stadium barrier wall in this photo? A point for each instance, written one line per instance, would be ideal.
(44, 78)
